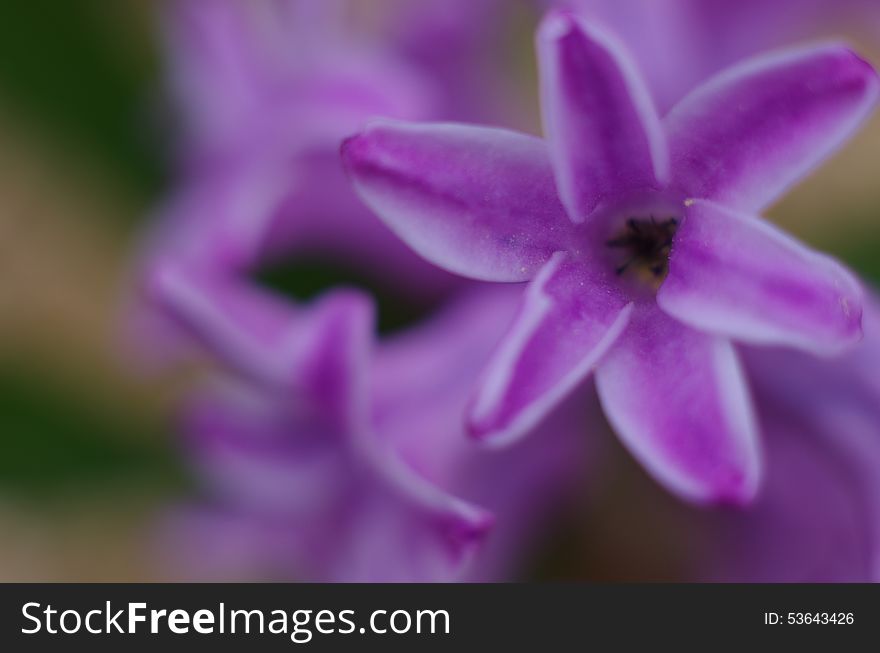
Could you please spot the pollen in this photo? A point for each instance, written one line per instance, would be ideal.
(644, 246)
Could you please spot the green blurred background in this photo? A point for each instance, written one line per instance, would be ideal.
(87, 455)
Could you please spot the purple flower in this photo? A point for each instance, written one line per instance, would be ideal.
(680, 43)
(640, 240)
(818, 516)
(266, 92)
(266, 75)
(325, 455)
(330, 457)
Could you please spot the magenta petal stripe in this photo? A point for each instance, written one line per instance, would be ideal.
(748, 134)
(677, 398)
(738, 276)
(604, 133)
(567, 322)
(477, 201)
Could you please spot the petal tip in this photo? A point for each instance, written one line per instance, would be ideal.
(477, 427)
(348, 150)
(852, 71)
(739, 488)
(487, 432)
(863, 73)
(464, 534)
(852, 332)
(556, 25)
(740, 491)
(356, 146)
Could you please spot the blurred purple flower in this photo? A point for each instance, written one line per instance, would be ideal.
(277, 73)
(639, 238)
(818, 517)
(680, 43)
(329, 456)
(266, 92)
(459, 45)
(336, 458)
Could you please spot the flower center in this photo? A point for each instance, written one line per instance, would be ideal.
(643, 246)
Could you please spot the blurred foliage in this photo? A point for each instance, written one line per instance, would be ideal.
(52, 445)
(61, 72)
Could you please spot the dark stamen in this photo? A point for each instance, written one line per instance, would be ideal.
(646, 245)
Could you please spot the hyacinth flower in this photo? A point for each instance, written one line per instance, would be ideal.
(328, 456)
(265, 91)
(818, 516)
(640, 240)
(681, 43)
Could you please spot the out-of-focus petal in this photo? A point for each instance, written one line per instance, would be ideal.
(197, 543)
(738, 276)
(257, 454)
(320, 351)
(665, 37)
(832, 410)
(604, 133)
(812, 521)
(350, 506)
(213, 65)
(477, 201)
(678, 400)
(440, 531)
(280, 73)
(525, 486)
(569, 319)
(748, 134)
(219, 219)
(322, 218)
(460, 45)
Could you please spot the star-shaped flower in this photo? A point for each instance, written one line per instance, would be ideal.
(329, 456)
(639, 237)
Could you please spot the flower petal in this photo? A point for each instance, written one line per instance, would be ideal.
(752, 131)
(214, 63)
(522, 486)
(437, 531)
(260, 459)
(678, 400)
(738, 276)
(568, 321)
(253, 453)
(320, 351)
(219, 218)
(477, 201)
(605, 135)
(812, 522)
